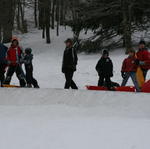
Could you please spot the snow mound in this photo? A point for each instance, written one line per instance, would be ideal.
(107, 103)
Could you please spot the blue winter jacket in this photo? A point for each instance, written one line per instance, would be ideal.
(3, 53)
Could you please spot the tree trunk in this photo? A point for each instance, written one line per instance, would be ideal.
(58, 16)
(126, 25)
(35, 13)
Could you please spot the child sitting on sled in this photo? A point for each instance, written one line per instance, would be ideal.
(129, 68)
(27, 60)
(104, 68)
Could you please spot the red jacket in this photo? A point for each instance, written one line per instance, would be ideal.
(144, 55)
(129, 65)
(14, 55)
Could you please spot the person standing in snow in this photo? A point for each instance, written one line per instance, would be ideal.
(69, 64)
(27, 60)
(129, 68)
(14, 55)
(143, 55)
(3, 63)
(104, 68)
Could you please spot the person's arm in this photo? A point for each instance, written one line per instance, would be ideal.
(111, 63)
(75, 57)
(98, 66)
(123, 66)
(123, 73)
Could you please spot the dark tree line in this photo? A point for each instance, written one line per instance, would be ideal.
(106, 18)
(110, 18)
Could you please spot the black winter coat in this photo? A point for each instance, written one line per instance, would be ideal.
(104, 67)
(3, 53)
(70, 60)
(27, 60)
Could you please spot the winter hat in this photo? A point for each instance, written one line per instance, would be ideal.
(142, 42)
(28, 50)
(132, 51)
(69, 40)
(105, 52)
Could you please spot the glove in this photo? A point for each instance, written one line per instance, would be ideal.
(141, 62)
(8, 62)
(123, 74)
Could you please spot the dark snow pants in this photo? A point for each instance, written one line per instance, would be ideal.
(29, 77)
(69, 80)
(19, 73)
(145, 71)
(2, 72)
(106, 80)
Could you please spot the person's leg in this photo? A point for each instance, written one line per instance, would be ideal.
(101, 81)
(108, 82)
(115, 84)
(68, 77)
(35, 83)
(144, 73)
(2, 72)
(20, 76)
(125, 80)
(9, 74)
(133, 77)
(73, 84)
(28, 77)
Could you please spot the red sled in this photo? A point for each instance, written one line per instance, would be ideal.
(96, 88)
(146, 87)
(119, 89)
(125, 89)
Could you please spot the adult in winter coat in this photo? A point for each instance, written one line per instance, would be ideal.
(3, 62)
(104, 68)
(27, 60)
(129, 68)
(13, 57)
(69, 64)
(143, 55)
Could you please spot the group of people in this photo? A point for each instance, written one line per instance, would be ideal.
(11, 61)
(104, 66)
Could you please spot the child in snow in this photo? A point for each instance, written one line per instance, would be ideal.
(104, 68)
(27, 60)
(69, 64)
(143, 56)
(129, 68)
(14, 55)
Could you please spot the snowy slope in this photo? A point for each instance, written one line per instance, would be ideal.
(54, 118)
(46, 118)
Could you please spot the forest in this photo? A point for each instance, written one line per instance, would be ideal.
(112, 22)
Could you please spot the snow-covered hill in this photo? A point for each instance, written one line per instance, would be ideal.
(52, 118)
(58, 119)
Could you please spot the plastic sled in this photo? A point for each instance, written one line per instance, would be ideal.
(96, 88)
(125, 89)
(11, 86)
(146, 87)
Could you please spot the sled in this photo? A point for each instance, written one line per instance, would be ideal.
(140, 77)
(11, 86)
(146, 87)
(119, 89)
(125, 89)
(96, 88)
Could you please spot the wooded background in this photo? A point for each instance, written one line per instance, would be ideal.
(107, 19)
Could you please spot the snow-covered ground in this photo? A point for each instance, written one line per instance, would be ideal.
(51, 117)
